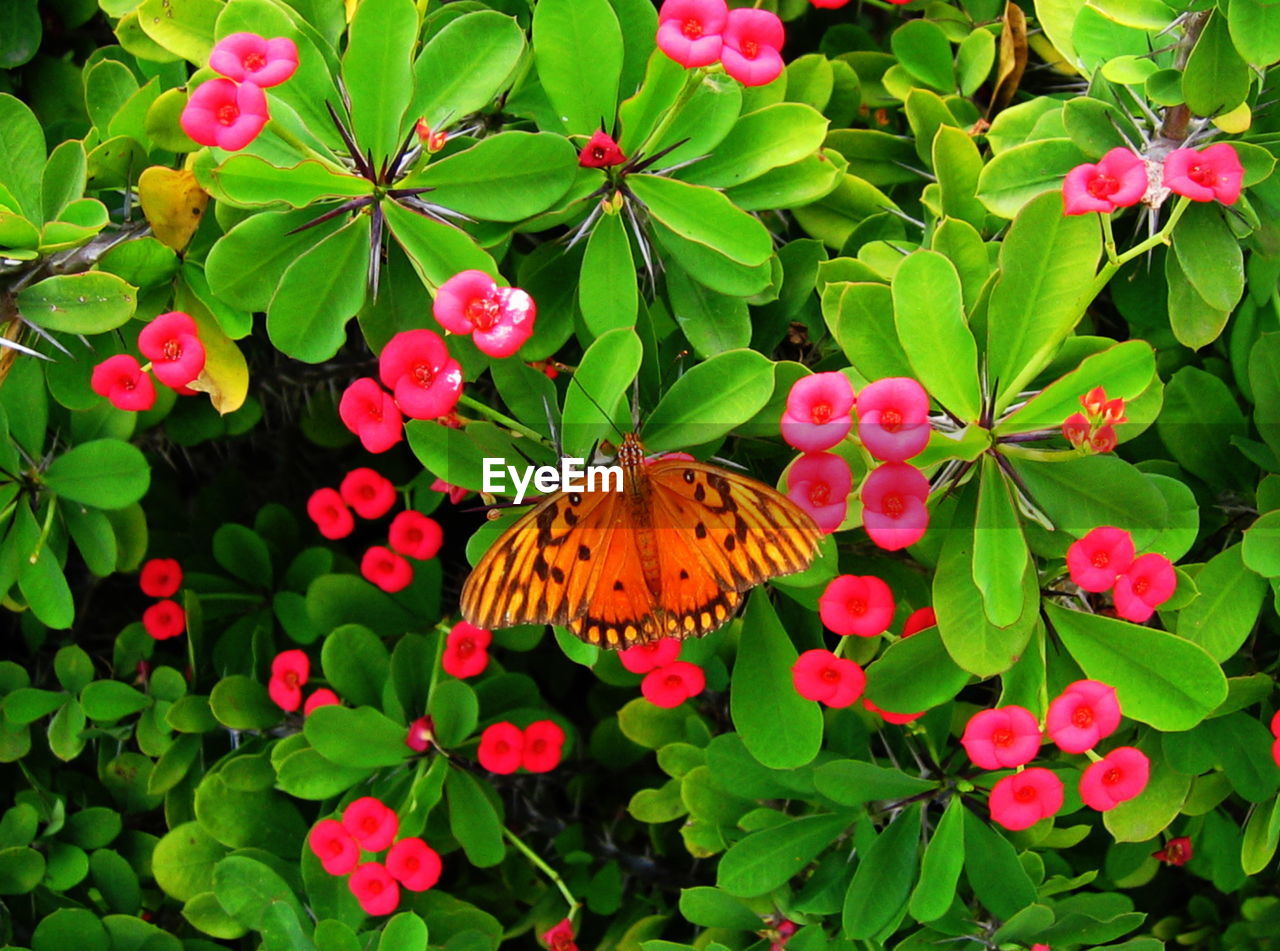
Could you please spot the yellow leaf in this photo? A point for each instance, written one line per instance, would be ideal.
(225, 376)
(1236, 121)
(1049, 53)
(173, 203)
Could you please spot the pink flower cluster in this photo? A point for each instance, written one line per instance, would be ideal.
(499, 319)
(230, 112)
(161, 578)
(1104, 559)
(1095, 428)
(668, 681)
(410, 535)
(893, 425)
(415, 366)
(505, 748)
(745, 40)
(1009, 737)
(290, 670)
(1120, 179)
(368, 825)
(172, 343)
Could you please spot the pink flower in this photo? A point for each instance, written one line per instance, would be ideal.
(829, 4)
(1145, 585)
(160, 578)
(1117, 181)
(375, 889)
(1023, 799)
(918, 620)
(820, 483)
(1085, 713)
(819, 412)
(1118, 777)
(121, 380)
(1076, 429)
(248, 57)
(466, 650)
(370, 494)
(499, 319)
(331, 515)
(893, 505)
(893, 418)
(889, 716)
(752, 40)
(415, 365)
(1211, 173)
(371, 414)
(1099, 557)
(433, 142)
(164, 619)
(456, 493)
(1002, 738)
(371, 823)
(171, 343)
(334, 847)
(1275, 724)
(289, 671)
(1175, 852)
(560, 937)
(689, 30)
(856, 604)
(600, 152)
(543, 743)
(645, 657)
(821, 675)
(421, 733)
(1103, 439)
(382, 567)
(501, 748)
(414, 864)
(323, 697)
(673, 684)
(225, 114)
(415, 535)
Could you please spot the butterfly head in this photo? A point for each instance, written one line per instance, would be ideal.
(631, 452)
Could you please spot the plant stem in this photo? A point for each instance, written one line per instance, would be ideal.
(499, 417)
(1109, 237)
(692, 79)
(1162, 236)
(546, 870)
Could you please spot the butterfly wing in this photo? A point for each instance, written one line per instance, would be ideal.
(539, 571)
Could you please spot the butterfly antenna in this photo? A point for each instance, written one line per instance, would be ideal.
(608, 417)
(556, 441)
(635, 404)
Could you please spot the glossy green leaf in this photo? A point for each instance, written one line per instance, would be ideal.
(929, 315)
(999, 551)
(764, 860)
(356, 664)
(377, 70)
(894, 682)
(247, 889)
(104, 473)
(991, 865)
(1216, 79)
(705, 216)
(250, 180)
(1227, 610)
(437, 250)
(22, 155)
(473, 820)
(607, 291)
(583, 90)
(1210, 256)
(464, 67)
(924, 51)
(710, 400)
(89, 303)
(360, 737)
(1126, 368)
(940, 867)
(604, 374)
(1082, 492)
(779, 134)
(184, 27)
(1014, 177)
(882, 881)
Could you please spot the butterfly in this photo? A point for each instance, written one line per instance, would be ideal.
(671, 555)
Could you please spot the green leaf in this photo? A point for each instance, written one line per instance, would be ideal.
(473, 820)
(929, 315)
(713, 908)
(710, 400)
(1144, 817)
(1126, 369)
(70, 929)
(1261, 547)
(437, 250)
(940, 867)
(184, 27)
(22, 156)
(583, 89)
(463, 67)
(1197, 422)
(1228, 607)
(404, 932)
(713, 323)
(243, 554)
(1235, 741)
(1255, 33)
(89, 303)
(249, 180)
(356, 664)
(864, 324)
(183, 861)
(247, 889)
(1210, 256)
(1046, 265)
(924, 51)
(765, 860)
(319, 293)
(1261, 835)
(1082, 492)
(991, 865)
(73, 667)
(377, 71)
(894, 682)
(1160, 679)
(607, 291)
(852, 782)
(21, 870)
(245, 265)
(504, 177)
(1216, 79)
(242, 703)
(882, 881)
(776, 135)
(1014, 177)
(20, 31)
(110, 700)
(454, 710)
(780, 728)
(704, 216)
(1264, 381)
(604, 373)
(360, 737)
(104, 473)
(999, 550)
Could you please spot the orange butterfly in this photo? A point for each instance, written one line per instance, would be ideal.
(669, 556)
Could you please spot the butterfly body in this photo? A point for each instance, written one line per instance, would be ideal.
(670, 555)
